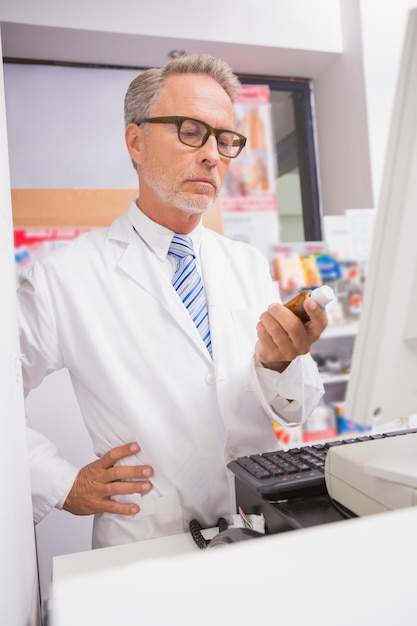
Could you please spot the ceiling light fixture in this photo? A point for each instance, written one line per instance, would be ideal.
(176, 54)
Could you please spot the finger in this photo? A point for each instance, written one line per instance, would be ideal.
(283, 327)
(315, 311)
(284, 317)
(116, 454)
(287, 333)
(127, 488)
(300, 334)
(274, 349)
(119, 508)
(318, 318)
(126, 472)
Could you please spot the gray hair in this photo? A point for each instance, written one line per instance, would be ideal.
(144, 90)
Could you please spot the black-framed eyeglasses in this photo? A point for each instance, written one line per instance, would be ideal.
(195, 133)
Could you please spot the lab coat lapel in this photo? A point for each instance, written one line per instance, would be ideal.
(134, 259)
(141, 265)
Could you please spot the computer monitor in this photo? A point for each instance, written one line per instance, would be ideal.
(383, 383)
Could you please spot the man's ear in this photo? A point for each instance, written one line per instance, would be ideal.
(134, 138)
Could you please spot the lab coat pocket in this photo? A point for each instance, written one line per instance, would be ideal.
(162, 513)
(159, 515)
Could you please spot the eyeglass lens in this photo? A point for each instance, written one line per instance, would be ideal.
(193, 133)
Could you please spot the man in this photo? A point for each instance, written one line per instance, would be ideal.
(166, 408)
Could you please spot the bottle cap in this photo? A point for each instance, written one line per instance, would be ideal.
(323, 294)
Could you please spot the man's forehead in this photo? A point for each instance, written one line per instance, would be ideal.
(193, 93)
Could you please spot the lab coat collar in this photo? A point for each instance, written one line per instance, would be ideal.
(142, 265)
(157, 237)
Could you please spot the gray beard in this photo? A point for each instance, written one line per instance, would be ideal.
(182, 201)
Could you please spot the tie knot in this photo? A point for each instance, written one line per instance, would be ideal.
(181, 246)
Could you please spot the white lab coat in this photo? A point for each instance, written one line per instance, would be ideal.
(103, 308)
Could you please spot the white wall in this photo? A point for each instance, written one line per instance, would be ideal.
(19, 597)
(76, 127)
(353, 103)
(341, 123)
(146, 31)
(383, 26)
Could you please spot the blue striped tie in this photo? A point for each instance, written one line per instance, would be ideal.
(189, 286)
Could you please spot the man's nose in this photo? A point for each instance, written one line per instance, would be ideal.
(209, 151)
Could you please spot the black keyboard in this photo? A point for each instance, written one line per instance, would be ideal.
(293, 473)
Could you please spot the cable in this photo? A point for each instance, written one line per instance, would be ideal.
(197, 535)
(222, 524)
(195, 530)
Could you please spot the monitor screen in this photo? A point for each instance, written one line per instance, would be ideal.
(383, 383)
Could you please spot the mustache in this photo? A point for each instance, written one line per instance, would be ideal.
(212, 177)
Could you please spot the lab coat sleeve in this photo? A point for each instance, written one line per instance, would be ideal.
(288, 397)
(51, 476)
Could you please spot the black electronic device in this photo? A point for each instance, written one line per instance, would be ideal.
(293, 473)
(224, 537)
(233, 535)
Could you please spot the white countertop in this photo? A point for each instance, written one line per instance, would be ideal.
(361, 571)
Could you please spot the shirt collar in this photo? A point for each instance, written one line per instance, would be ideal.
(157, 237)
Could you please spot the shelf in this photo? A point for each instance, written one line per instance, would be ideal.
(350, 329)
(329, 379)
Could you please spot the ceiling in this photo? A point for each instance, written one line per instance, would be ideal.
(66, 45)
